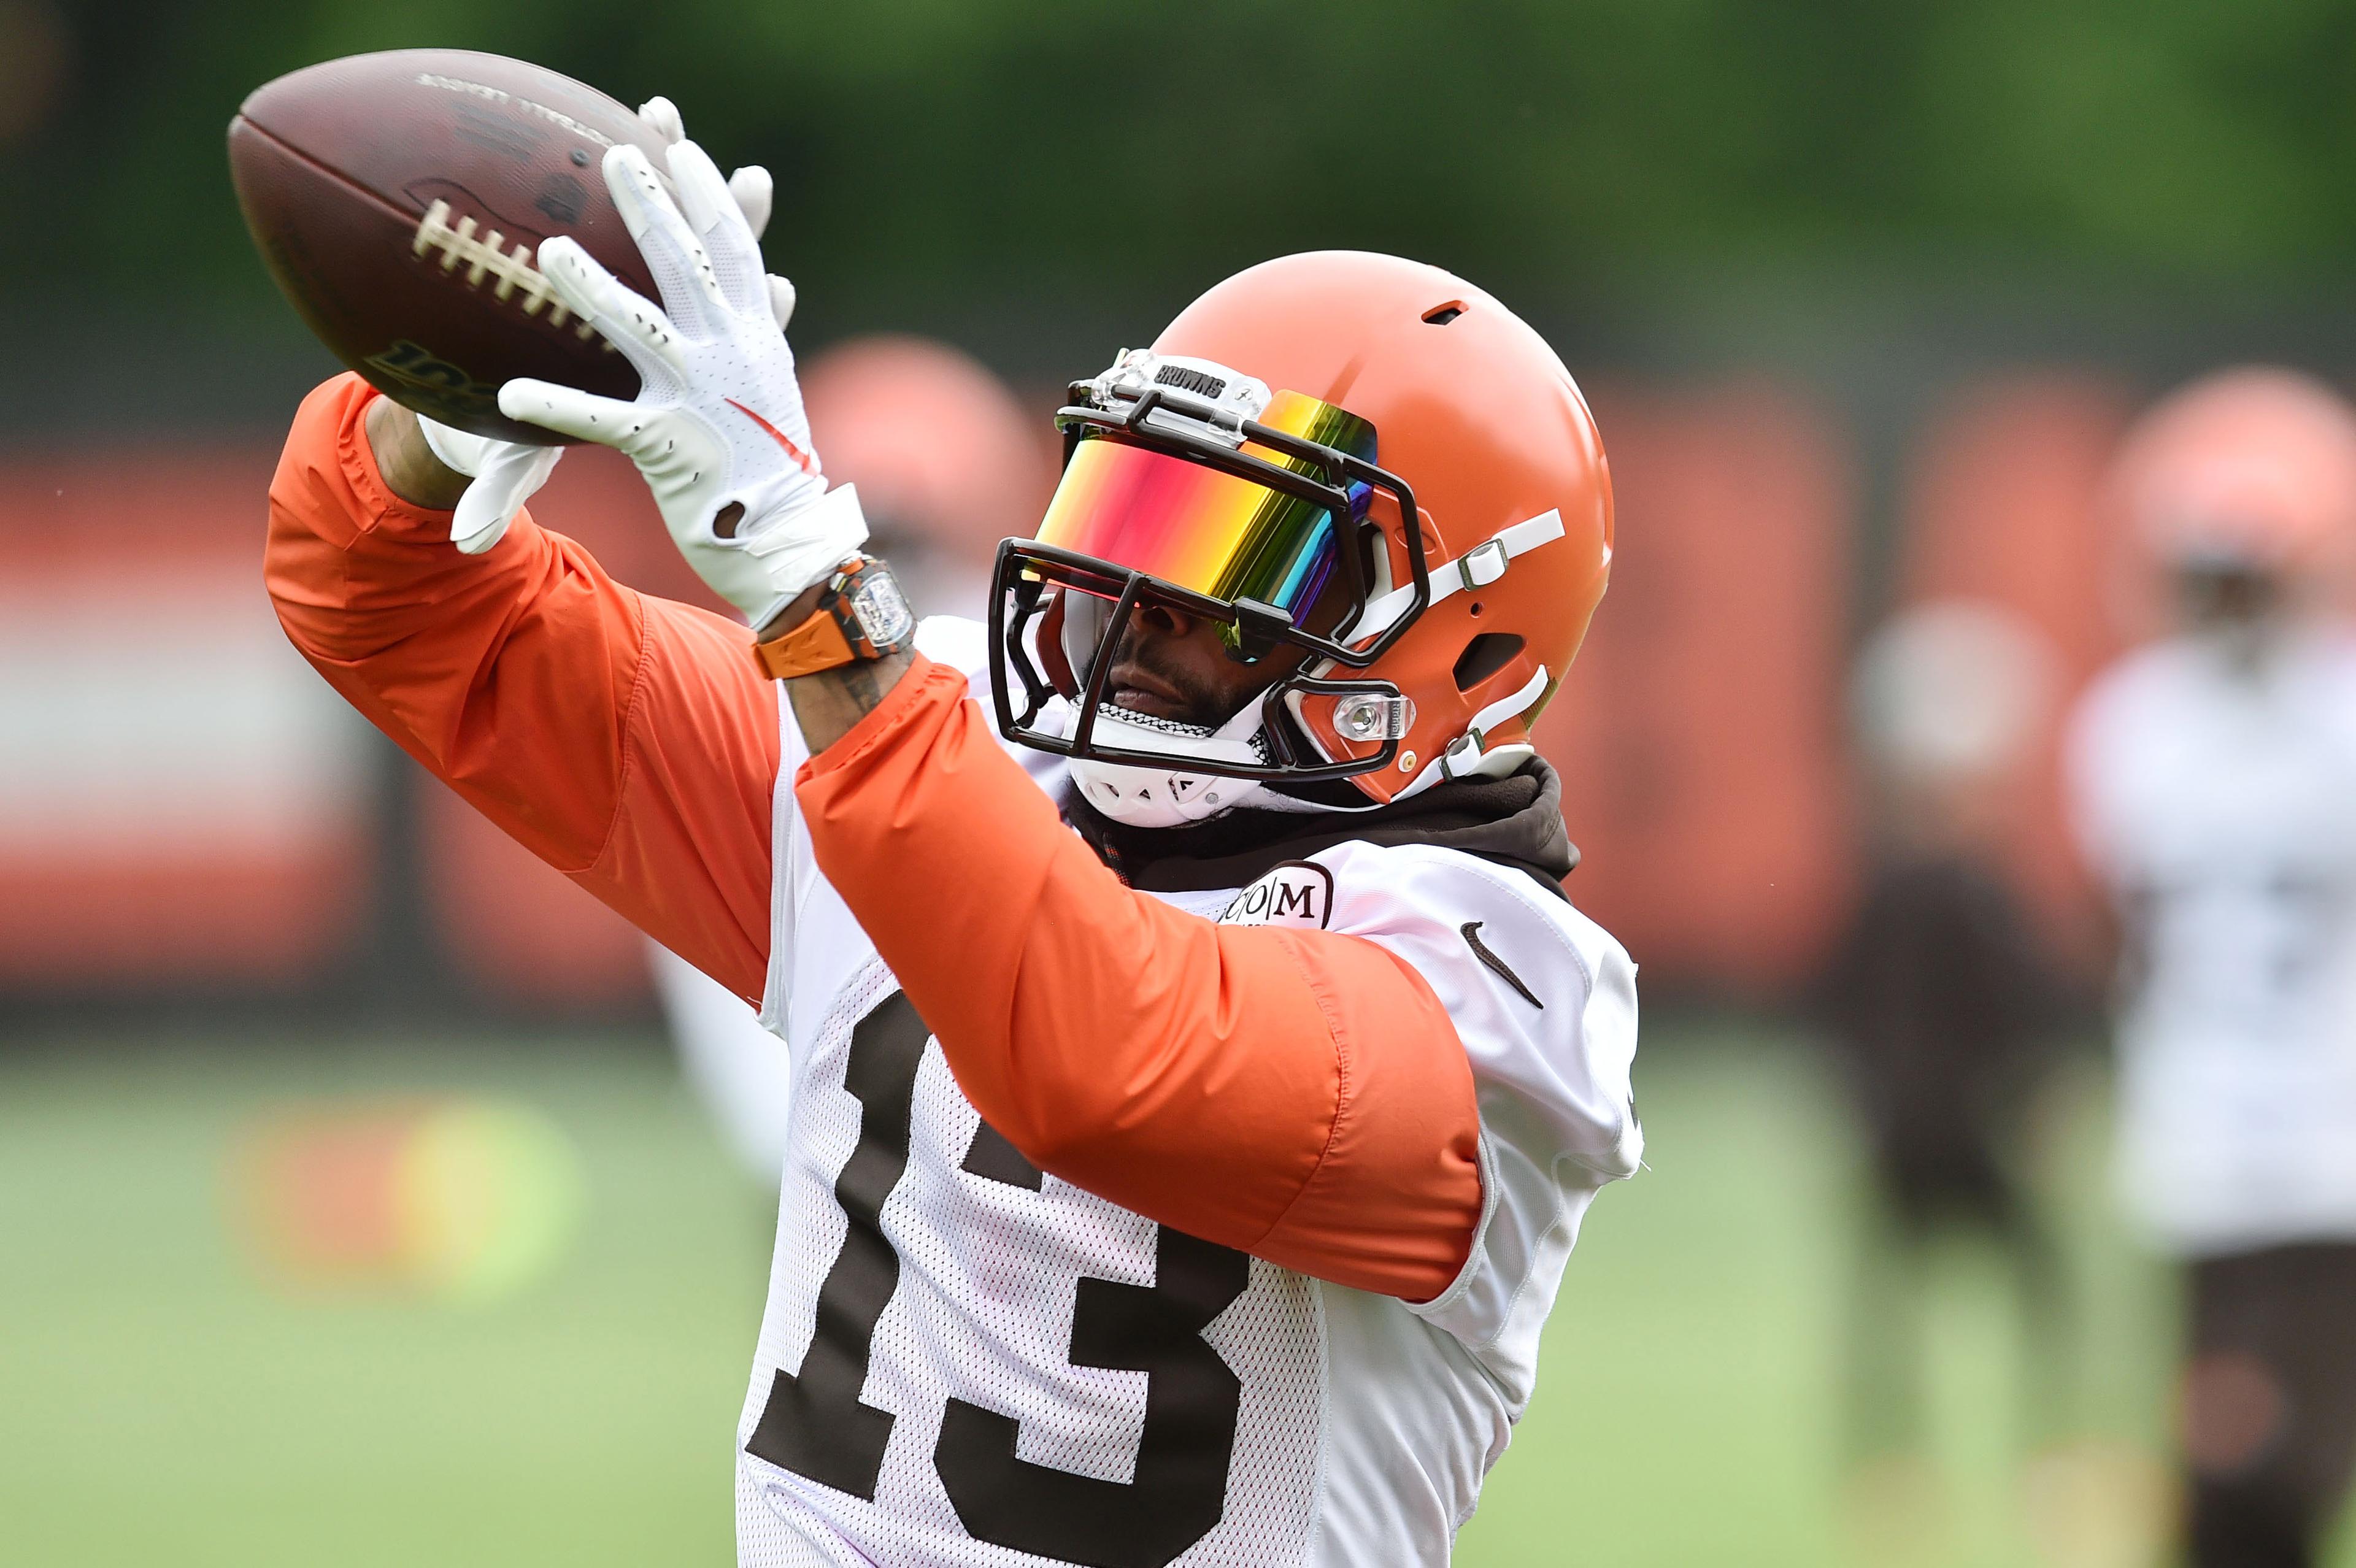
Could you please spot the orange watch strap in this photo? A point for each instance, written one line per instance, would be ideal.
(817, 644)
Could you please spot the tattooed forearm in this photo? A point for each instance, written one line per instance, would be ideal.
(828, 704)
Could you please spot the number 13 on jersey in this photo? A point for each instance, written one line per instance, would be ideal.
(816, 1425)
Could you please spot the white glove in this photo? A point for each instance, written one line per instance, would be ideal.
(750, 186)
(507, 473)
(717, 428)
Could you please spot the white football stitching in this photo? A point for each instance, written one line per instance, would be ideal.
(484, 257)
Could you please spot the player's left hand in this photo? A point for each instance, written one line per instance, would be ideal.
(507, 473)
(717, 428)
(502, 474)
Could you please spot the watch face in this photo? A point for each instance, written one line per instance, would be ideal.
(882, 610)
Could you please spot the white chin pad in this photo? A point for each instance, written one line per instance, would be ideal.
(1170, 796)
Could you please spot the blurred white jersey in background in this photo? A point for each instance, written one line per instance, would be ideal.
(738, 1071)
(2218, 800)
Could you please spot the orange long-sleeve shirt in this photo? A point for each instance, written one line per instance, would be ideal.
(1298, 1095)
(626, 741)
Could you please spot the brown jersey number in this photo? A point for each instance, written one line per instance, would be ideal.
(815, 1424)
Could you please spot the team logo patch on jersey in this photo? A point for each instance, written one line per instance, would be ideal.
(1299, 892)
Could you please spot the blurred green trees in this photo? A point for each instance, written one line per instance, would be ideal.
(941, 155)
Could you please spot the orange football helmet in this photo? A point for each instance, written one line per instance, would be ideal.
(1361, 457)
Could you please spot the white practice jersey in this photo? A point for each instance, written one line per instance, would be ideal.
(965, 1363)
(2221, 806)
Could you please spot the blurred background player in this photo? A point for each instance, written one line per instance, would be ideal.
(1938, 1004)
(2213, 776)
(947, 464)
(948, 460)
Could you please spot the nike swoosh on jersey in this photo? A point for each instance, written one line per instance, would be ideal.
(1472, 930)
(810, 464)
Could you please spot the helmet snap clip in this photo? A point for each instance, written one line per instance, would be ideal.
(1483, 564)
(1462, 756)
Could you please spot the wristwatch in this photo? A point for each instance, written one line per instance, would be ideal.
(860, 614)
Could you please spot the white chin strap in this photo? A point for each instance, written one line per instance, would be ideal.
(1145, 796)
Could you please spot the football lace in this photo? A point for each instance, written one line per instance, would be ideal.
(485, 256)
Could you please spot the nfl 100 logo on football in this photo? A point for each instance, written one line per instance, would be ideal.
(1299, 892)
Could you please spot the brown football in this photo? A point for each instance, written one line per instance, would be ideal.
(400, 200)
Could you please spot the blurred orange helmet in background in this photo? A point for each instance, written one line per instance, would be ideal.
(945, 460)
(2253, 468)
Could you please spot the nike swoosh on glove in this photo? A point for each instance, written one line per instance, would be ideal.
(507, 473)
(717, 429)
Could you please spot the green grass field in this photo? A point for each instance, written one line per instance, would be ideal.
(163, 1401)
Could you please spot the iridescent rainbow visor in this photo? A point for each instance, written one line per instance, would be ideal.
(1255, 521)
(1252, 524)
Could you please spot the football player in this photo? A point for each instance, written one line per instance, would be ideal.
(2214, 775)
(1940, 1011)
(1200, 1075)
